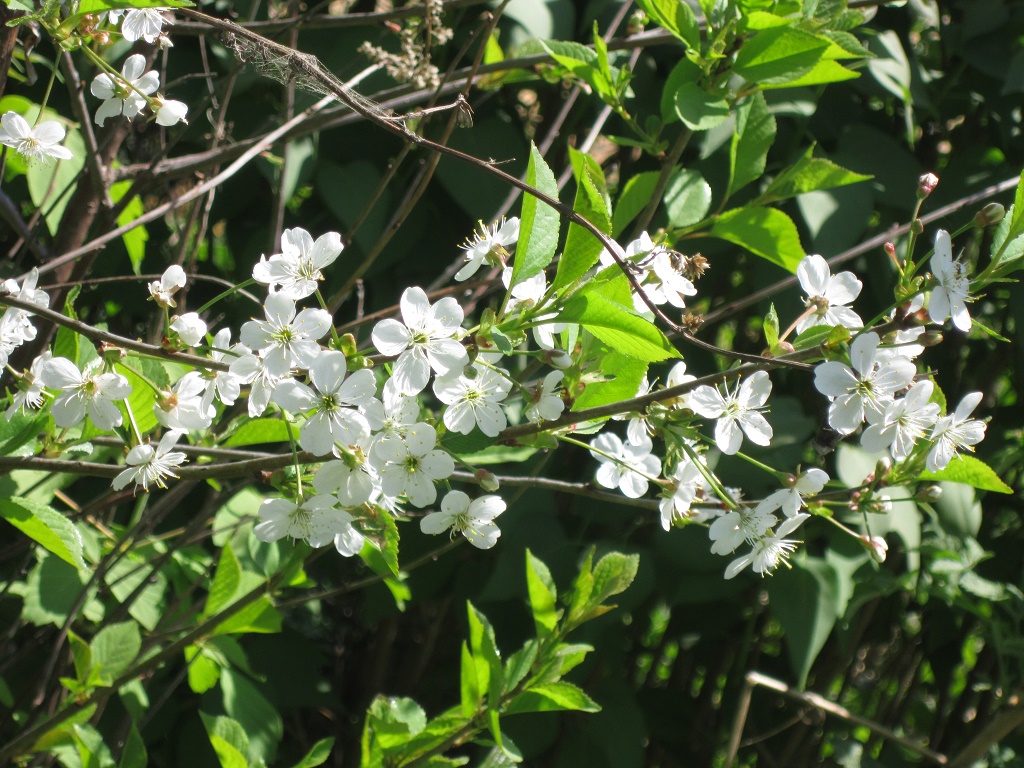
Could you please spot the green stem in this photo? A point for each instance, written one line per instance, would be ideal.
(46, 95)
(334, 331)
(713, 481)
(225, 294)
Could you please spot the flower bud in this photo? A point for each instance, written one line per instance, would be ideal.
(877, 546)
(930, 339)
(926, 185)
(558, 358)
(486, 480)
(990, 215)
(929, 493)
(883, 467)
(917, 226)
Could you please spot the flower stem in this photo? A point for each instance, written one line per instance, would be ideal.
(334, 331)
(225, 294)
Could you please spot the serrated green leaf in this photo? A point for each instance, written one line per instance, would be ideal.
(543, 595)
(582, 250)
(687, 198)
(228, 739)
(821, 73)
(317, 755)
(779, 55)
(552, 697)
(771, 327)
(676, 17)
(809, 174)
(698, 109)
(635, 196)
(47, 527)
(226, 580)
(261, 431)
(612, 575)
(134, 753)
(969, 471)
(114, 648)
(260, 616)
(752, 137)
(141, 400)
(392, 721)
(519, 664)
(469, 684)
(538, 222)
(135, 239)
(626, 374)
(98, 6)
(203, 669)
(619, 327)
(767, 232)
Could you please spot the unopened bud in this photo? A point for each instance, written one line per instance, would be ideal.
(111, 353)
(486, 480)
(926, 185)
(785, 347)
(917, 226)
(930, 339)
(883, 467)
(877, 546)
(558, 358)
(101, 38)
(890, 248)
(929, 493)
(990, 215)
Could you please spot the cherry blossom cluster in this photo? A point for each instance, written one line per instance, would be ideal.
(125, 94)
(876, 390)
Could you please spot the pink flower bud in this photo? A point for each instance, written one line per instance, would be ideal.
(926, 185)
(877, 546)
(486, 480)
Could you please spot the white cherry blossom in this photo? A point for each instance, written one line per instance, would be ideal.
(765, 556)
(163, 290)
(351, 479)
(286, 340)
(316, 520)
(30, 387)
(147, 464)
(737, 412)
(952, 293)
(426, 341)
(791, 499)
(956, 432)
(684, 483)
(547, 405)
(39, 143)
(903, 423)
(488, 243)
(625, 466)
(296, 271)
(124, 95)
(331, 408)
(827, 294)
(27, 292)
(143, 24)
(184, 407)
(474, 401)
(412, 466)
(12, 334)
(89, 394)
(169, 112)
(224, 384)
(252, 370)
(862, 386)
(473, 519)
(737, 526)
(530, 293)
(191, 328)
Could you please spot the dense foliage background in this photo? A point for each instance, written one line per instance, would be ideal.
(926, 646)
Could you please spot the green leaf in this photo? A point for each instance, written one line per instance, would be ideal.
(317, 755)
(244, 702)
(687, 198)
(261, 431)
(958, 510)
(469, 684)
(552, 697)
(538, 225)
(134, 753)
(633, 199)
(968, 471)
(543, 594)
(132, 573)
(803, 599)
(779, 55)
(46, 526)
(823, 72)
(619, 327)
(226, 580)
(809, 174)
(612, 575)
(81, 655)
(519, 664)
(767, 232)
(752, 137)
(260, 616)
(19, 433)
(228, 739)
(393, 721)
(203, 669)
(582, 250)
(1007, 251)
(698, 109)
(98, 6)
(626, 372)
(141, 400)
(114, 648)
(134, 240)
(676, 17)
(771, 327)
